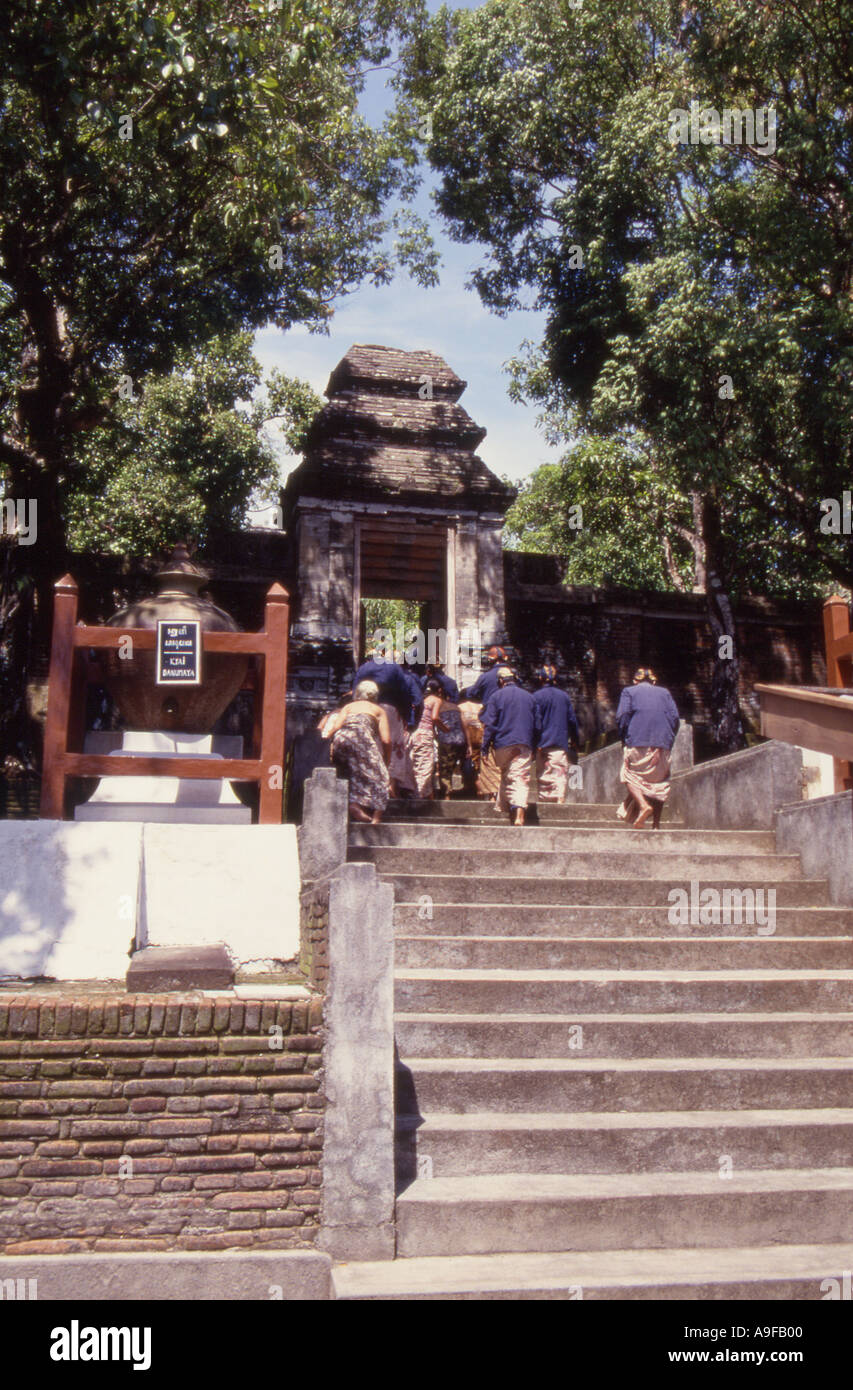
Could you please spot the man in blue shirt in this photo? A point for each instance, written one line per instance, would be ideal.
(486, 683)
(397, 686)
(509, 726)
(556, 729)
(647, 720)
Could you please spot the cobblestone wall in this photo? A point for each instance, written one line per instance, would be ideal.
(158, 1122)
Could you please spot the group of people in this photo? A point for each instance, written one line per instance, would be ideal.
(399, 732)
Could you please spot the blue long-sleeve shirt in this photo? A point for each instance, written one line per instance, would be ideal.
(484, 686)
(556, 725)
(509, 717)
(447, 683)
(396, 686)
(647, 717)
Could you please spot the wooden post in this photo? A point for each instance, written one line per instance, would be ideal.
(836, 624)
(59, 699)
(70, 672)
(277, 628)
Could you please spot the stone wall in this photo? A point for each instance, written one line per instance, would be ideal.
(158, 1122)
(597, 638)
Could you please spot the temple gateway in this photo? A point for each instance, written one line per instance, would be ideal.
(391, 501)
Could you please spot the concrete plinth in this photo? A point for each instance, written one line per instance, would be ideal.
(176, 800)
(75, 898)
(155, 969)
(238, 885)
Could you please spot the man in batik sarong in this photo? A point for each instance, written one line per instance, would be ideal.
(647, 719)
(556, 730)
(509, 725)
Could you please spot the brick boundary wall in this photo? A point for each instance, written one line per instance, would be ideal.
(220, 1118)
(314, 912)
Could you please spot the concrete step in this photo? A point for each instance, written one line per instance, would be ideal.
(478, 1085)
(540, 1212)
(699, 952)
(605, 819)
(461, 809)
(516, 1034)
(625, 991)
(557, 920)
(493, 864)
(562, 838)
(677, 1141)
(541, 890)
(778, 1272)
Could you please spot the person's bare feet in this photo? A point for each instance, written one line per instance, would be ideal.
(359, 814)
(519, 816)
(643, 818)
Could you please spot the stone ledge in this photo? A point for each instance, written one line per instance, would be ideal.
(227, 1274)
(136, 1017)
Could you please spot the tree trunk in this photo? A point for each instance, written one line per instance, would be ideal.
(726, 722)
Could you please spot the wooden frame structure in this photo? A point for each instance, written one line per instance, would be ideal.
(838, 640)
(817, 718)
(71, 672)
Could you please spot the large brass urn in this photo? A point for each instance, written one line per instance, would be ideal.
(132, 682)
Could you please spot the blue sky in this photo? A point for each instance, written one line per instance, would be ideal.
(448, 319)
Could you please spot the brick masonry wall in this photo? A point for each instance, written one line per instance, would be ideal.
(158, 1122)
(314, 933)
(598, 637)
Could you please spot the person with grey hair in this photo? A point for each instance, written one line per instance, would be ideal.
(360, 748)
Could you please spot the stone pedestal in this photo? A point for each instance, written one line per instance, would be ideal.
(178, 800)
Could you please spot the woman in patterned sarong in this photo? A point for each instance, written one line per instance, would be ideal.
(422, 742)
(361, 749)
(647, 719)
(400, 768)
(487, 776)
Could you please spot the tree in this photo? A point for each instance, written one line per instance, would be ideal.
(167, 176)
(188, 456)
(714, 351)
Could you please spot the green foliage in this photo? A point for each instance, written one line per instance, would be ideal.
(699, 263)
(618, 535)
(186, 459)
(387, 613)
(171, 175)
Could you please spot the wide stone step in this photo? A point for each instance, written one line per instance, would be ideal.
(518, 1034)
(757, 869)
(626, 991)
(541, 891)
(650, 1211)
(719, 1142)
(475, 1085)
(560, 920)
(699, 952)
(461, 810)
(605, 819)
(778, 1272)
(564, 838)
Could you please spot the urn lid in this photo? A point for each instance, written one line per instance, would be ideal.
(180, 574)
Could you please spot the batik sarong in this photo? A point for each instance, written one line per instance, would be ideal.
(645, 770)
(356, 750)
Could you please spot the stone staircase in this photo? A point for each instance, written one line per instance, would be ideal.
(593, 1103)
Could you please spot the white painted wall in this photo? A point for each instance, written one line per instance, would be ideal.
(74, 896)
